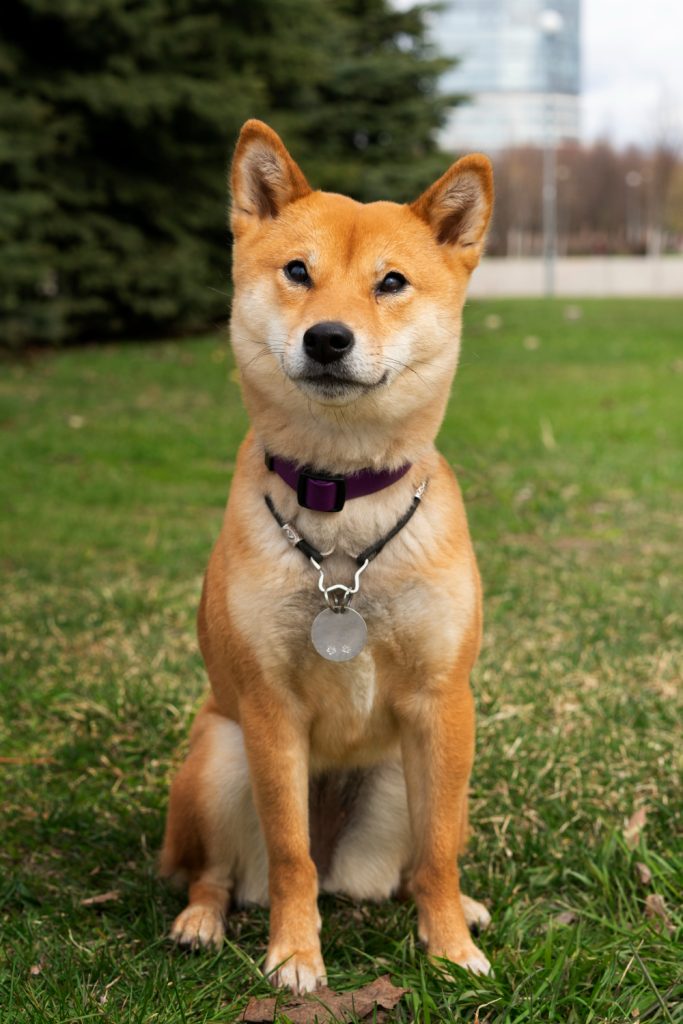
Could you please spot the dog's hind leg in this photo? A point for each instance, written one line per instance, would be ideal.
(372, 850)
(212, 835)
(372, 858)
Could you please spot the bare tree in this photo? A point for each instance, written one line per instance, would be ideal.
(609, 200)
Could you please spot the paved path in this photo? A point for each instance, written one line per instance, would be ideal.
(581, 276)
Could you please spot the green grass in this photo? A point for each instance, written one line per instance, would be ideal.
(567, 437)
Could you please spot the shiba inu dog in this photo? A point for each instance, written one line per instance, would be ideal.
(341, 612)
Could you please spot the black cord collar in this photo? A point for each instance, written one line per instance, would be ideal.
(310, 552)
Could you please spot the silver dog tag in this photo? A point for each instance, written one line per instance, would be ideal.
(339, 636)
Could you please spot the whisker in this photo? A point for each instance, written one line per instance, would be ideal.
(253, 360)
(407, 366)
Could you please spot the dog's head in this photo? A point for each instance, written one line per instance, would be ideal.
(344, 304)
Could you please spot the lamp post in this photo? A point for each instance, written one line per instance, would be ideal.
(551, 24)
(633, 179)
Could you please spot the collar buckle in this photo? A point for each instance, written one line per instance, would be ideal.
(321, 492)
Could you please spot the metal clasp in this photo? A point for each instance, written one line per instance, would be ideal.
(338, 595)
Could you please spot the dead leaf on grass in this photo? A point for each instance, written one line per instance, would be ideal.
(547, 435)
(103, 897)
(655, 909)
(643, 872)
(27, 760)
(566, 917)
(326, 1005)
(634, 827)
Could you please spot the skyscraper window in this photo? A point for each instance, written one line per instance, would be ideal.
(516, 56)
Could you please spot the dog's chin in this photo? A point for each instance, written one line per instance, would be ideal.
(330, 389)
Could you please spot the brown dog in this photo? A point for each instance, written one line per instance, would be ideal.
(317, 761)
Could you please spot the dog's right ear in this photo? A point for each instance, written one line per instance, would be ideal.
(458, 206)
(264, 176)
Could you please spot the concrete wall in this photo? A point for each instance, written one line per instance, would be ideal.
(581, 277)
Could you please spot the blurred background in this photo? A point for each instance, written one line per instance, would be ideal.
(117, 119)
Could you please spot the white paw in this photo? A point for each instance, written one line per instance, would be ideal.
(199, 926)
(475, 962)
(301, 971)
(467, 956)
(476, 914)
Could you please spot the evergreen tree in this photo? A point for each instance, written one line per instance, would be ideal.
(352, 85)
(116, 122)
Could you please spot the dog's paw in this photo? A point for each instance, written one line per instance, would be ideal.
(199, 926)
(476, 914)
(467, 956)
(301, 971)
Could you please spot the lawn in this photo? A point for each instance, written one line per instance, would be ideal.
(566, 431)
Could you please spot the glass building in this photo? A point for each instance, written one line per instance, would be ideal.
(519, 67)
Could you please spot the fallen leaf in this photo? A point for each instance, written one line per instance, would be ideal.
(547, 436)
(566, 917)
(643, 872)
(655, 909)
(634, 826)
(326, 1005)
(103, 897)
(27, 760)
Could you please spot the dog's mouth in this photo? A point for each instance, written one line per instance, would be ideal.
(334, 385)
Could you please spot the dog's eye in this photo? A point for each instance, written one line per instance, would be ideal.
(392, 283)
(296, 271)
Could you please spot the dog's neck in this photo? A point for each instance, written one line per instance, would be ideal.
(340, 440)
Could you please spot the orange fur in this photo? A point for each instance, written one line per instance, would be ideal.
(279, 713)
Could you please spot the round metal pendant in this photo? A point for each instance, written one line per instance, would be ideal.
(339, 636)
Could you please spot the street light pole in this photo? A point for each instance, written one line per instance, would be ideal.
(634, 179)
(551, 23)
(549, 200)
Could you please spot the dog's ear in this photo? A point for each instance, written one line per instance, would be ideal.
(264, 176)
(458, 206)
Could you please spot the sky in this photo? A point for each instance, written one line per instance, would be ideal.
(632, 70)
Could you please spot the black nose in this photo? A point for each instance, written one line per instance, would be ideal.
(328, 341)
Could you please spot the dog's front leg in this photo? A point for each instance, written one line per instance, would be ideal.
(277, 748)
(437, 741)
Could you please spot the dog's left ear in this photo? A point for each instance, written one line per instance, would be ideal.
(458, 206)
(264, 176)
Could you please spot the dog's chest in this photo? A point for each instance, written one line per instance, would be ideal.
(350, 721)
(299, 609)
(409, 618)
(414, 624)
(347, 702)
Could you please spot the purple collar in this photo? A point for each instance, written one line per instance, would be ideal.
(327, 492)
